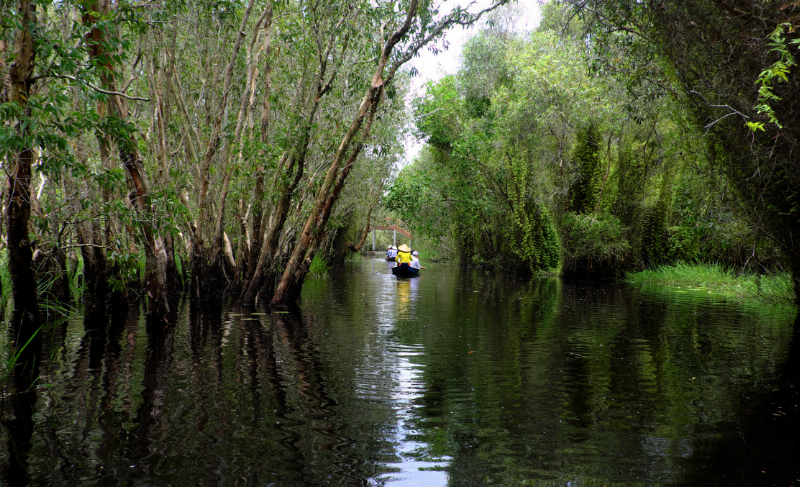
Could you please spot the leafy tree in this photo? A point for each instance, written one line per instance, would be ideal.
(734, 65)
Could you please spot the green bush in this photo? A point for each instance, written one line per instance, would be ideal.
(593, 245)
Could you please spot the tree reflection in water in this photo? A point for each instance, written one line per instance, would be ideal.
(455, 377)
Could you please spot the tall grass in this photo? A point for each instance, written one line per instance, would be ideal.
(319, 267)
(49, 306)
(771, 288)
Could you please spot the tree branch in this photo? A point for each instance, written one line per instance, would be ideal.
(95, 87)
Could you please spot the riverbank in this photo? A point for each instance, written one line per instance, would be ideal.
(770, 288)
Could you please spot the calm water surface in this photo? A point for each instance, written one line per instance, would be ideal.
(456, 378)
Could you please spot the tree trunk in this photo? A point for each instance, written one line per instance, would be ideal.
(365, 233)
(172, 275)
(270, 246)
(242, 253)
(61, 286)
(292, 280)
(199, 267)
(18, 209)
(94, 264)
(25, 318)
(291, 283)
(155, 253)
(258, 190)
(290, 169)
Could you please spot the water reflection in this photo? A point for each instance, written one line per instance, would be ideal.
(453, 378)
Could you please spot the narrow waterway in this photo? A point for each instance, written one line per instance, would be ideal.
(457, 378)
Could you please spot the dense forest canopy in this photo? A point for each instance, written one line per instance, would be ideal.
(615, 137)
(224, 146)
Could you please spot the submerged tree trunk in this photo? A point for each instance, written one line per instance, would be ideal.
(205, 275)
(291, 282)
(290, 172)
(18, 209)
(270, 245)
(258, 190)
(288, 288)
(25, 318)
(94, 263)
(155, 252)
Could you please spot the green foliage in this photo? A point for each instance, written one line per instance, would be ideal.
(552, 126)
(655, 240)
(5, 282)
(129, 266)
(438, 112)
(774, 287)
(587, 154)
(776, 73)
(319, 267)
(594, 245)
(50, 306)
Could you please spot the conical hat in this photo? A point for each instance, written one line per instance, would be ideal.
(404, 248)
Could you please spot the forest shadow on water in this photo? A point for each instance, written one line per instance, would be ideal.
(456, 378)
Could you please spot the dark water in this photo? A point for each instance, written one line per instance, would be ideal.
(455, 378)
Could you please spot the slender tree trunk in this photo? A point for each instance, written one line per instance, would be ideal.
(160, 77)
(291, 282)
(258, 190)
(103, 269)
(365, 233)
(243, 252)
(270, 246)
(198, 250)
(357, 247)
(25, 319)
(18, 209)
(293, 275)
(93, 264)
(155, 252)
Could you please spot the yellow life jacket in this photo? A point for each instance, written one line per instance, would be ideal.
(403, 257)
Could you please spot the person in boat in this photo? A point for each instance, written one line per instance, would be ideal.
(415, 260)
(389, 252)
(403, 255)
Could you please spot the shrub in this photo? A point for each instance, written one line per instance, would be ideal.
(593, 245)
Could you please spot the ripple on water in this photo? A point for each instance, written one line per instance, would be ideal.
(453, 378)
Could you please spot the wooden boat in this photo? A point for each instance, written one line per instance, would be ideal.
(390, 259)
(405, 270)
